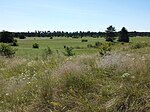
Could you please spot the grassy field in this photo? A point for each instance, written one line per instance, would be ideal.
(118, 81)
(56, 44)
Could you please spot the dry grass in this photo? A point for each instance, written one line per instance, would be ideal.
(119, 82)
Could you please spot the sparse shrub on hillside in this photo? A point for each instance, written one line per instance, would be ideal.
(35, 45)
(47, 52)
(7, 51)
(104, 49)
(69, 51)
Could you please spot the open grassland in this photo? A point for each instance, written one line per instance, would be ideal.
(56, 44)
(118, 81)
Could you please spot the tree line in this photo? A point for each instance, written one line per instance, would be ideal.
(110, 34)
(77, 34)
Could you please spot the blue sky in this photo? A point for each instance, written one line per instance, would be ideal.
(74, 15)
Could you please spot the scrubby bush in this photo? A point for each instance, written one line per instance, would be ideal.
(104, 49)
(51, 38)
(21, 36)
(7, 51)
(84, 40)
(90, 46)
(69, 51)
(35, 45)
(47, 52)
(97, 44)
(14, 43)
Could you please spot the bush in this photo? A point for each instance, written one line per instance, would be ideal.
(47, 52)
(51, 38)
(69, 51)
(14, 43)
(35, 45)
(21, 36)
(104, 49)
(84, 40)
(6, 50)
(97, 44)
(90, 46)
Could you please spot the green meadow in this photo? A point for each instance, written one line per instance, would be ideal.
(57, 45)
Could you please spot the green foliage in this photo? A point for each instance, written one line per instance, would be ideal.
(47, 52)
(14, 43)
(21, 36)
(123, 37)
(110, 34)
(139, 45)
(51, 38)
(104, 49)
(6, 37)
(97, 44)
(35, 45)
(84, 40)
(77, 84)
(7, 51)
(69, 51)
(90, 46)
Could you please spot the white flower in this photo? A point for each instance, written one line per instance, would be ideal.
(7, 94)
(125, 75)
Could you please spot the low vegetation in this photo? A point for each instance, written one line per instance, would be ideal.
(113, 79)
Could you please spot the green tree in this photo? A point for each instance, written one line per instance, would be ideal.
(110, 34)
(6, 37)
(123, 36)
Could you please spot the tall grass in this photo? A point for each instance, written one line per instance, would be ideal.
(118, 82)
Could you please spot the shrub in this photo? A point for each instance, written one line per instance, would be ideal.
(6, 50)
(14, 43)
(69, 51)
(90, 46)
(47, 52)
(97, 44)
(84, 40)
(51, 38)
(35, 45)
(65, 46)
(21, 36)
(104, 49)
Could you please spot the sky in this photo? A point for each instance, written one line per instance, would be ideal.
(74, 15)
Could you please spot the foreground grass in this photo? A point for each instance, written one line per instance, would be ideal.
(118, 82)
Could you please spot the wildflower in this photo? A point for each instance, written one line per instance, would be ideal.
(125, 75)
(7, 94)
